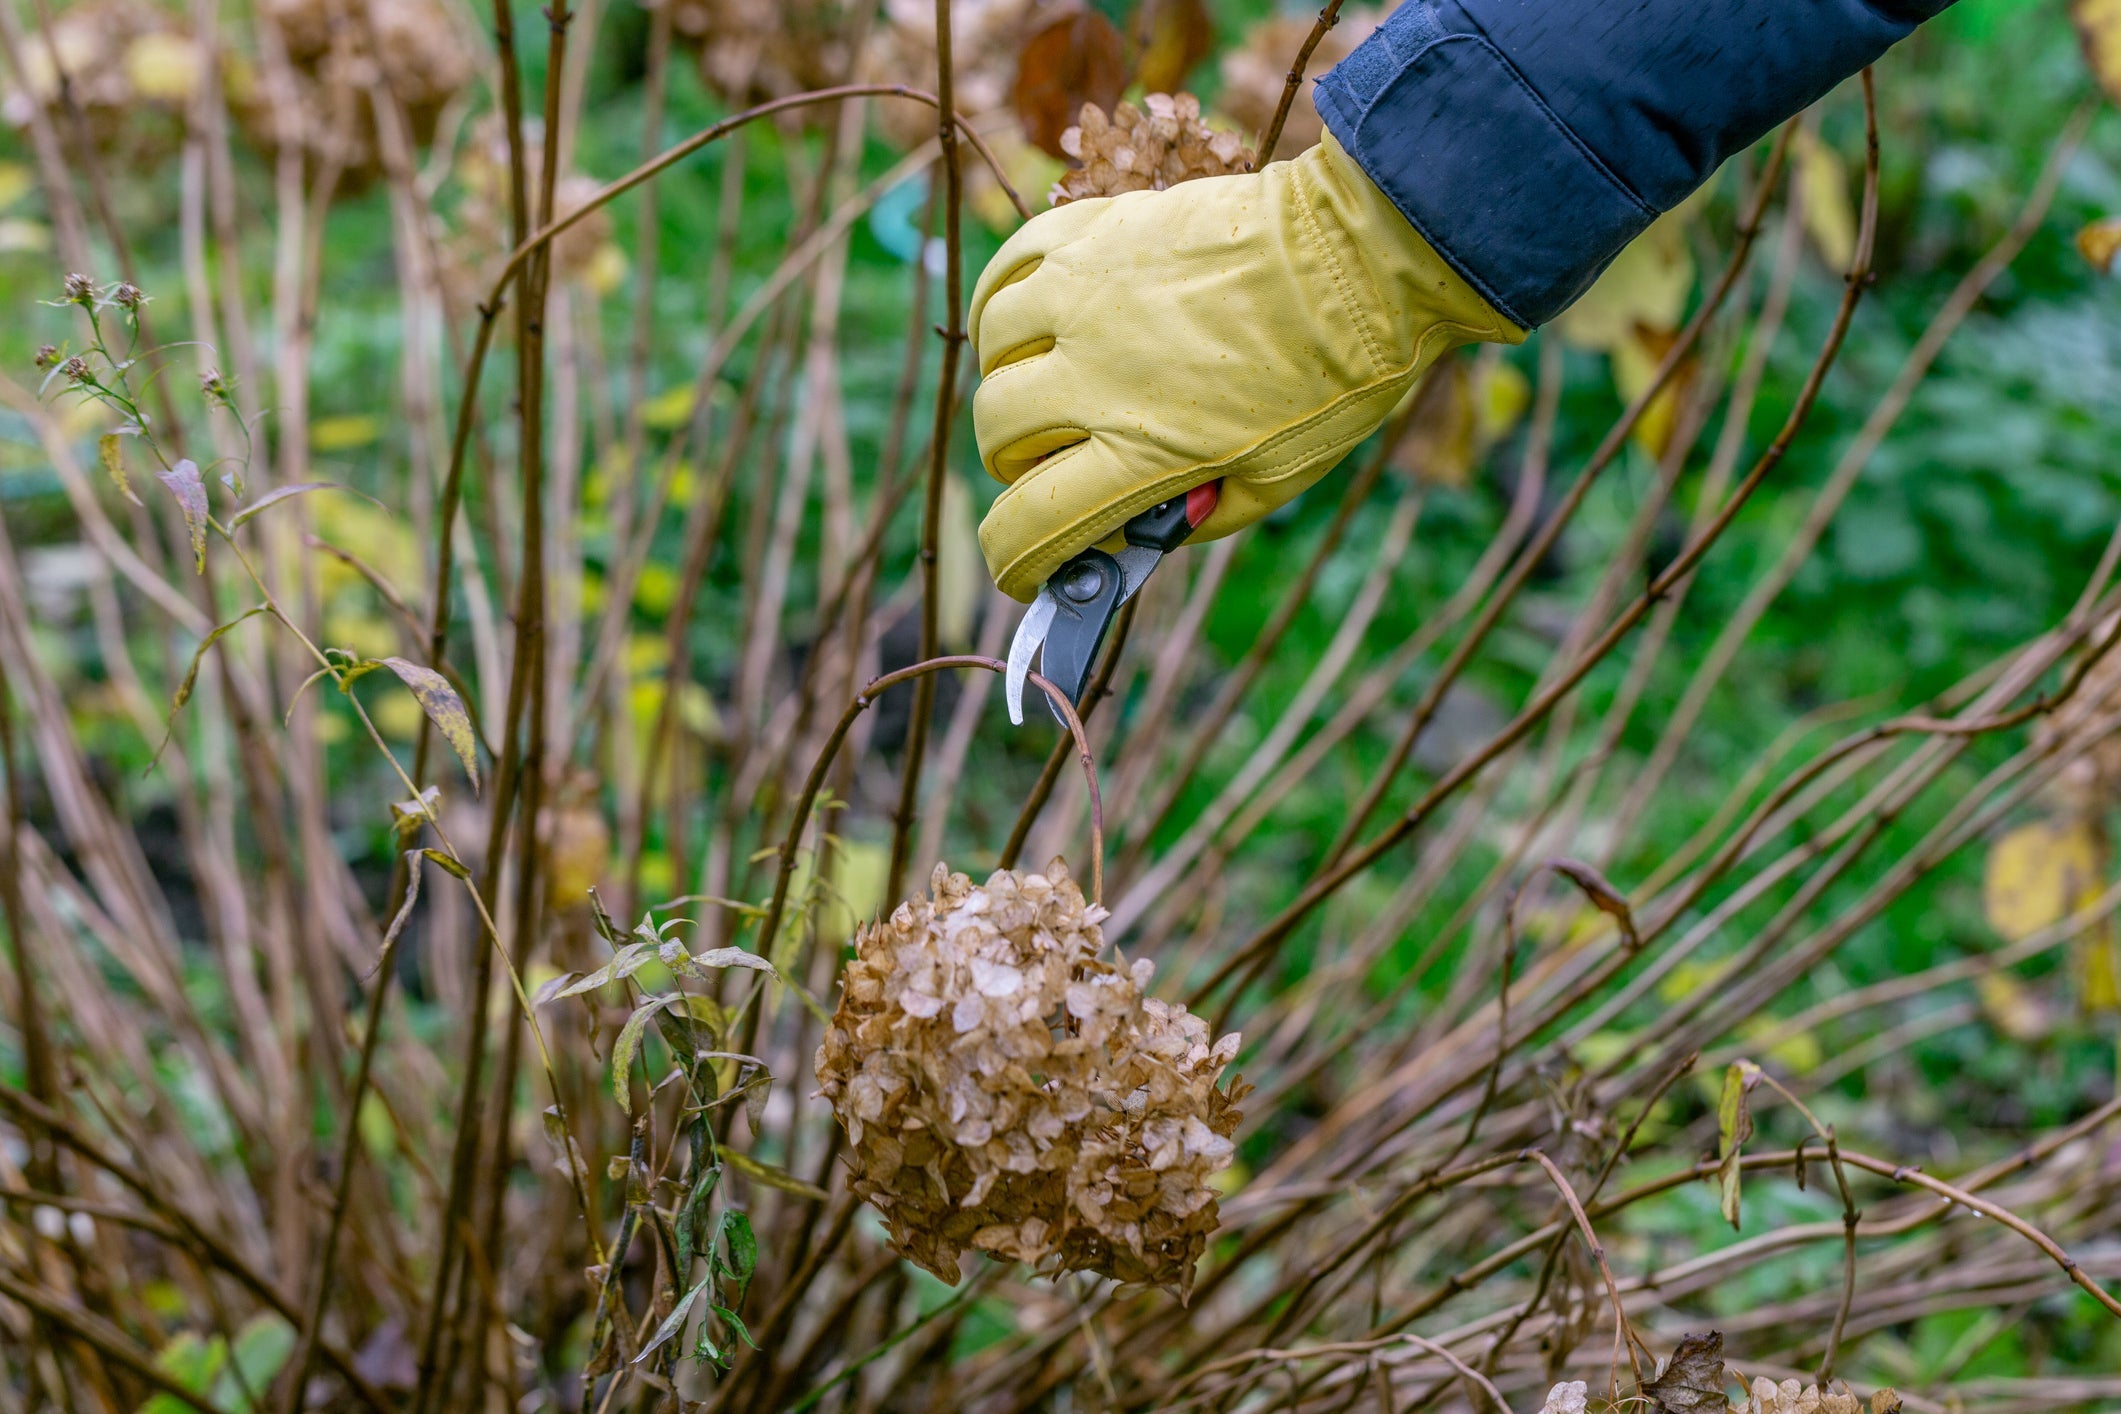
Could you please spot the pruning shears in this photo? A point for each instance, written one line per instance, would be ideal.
(1075, 608)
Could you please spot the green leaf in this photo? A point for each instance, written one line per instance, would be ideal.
(624, 1049)
(696, 964)
(675, 1321)
(628, 960)
(1734, 1125)
(185, 484)
(286, 493)
(262, 1347)
(735, 1232)
(190, 1362)
(736, 1323)
(111, 452)
(762, 1172)
(444, 708)
(692, 1215)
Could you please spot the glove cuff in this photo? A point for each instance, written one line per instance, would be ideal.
(1411, 287)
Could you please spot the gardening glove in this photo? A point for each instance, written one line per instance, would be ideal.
(1251, 328)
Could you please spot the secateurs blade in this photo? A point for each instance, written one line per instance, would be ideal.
(1074, 608)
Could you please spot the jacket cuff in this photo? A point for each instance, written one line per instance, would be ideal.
(1529, 140)
(1483, 168)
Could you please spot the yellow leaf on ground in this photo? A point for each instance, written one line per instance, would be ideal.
(2100, 242)
(2099, 29)
(1828, 218)
(2039, 874)
(668, 410)
(1646, 285)
(2012, 1007)
(15, 182)
(343, 433)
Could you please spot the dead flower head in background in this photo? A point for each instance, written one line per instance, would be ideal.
(1003, 1088)
(1159, 145)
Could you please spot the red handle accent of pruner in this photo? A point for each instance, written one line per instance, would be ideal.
(1201, 502)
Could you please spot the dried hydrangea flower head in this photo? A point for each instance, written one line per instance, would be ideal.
(1158, 145)
(1765, 1396)
(1004, 1088)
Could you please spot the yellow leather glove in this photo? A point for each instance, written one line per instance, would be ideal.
(1251, 328)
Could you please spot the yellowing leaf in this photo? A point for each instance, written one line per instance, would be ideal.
(2013, 1007)
(656, 590)
(363, 633)
(1501, 394)
(18, 236)
(669, 410)
(444, 708)
(15, 182)
(960, 570)
(2039, 874)
(578, 850)
(1646, 285)
(1635, 363)
(343, 433)
(2100, 242)
(1823, 178)
(772, 1177)
(606, 270)
(2098, 970)
(2099, 29)
(1734, 1125)
(110, 450)
(163, 67)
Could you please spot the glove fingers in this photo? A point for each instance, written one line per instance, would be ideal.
(1022, 414)
(1017, 322)
(1021, 253)
(1067, 503)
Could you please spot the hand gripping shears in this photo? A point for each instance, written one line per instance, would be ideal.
(1073, 610)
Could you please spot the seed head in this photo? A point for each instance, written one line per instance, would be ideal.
(47, 355)
(213, 385)
(80, 289)
(128, 296)
(75, 369)
(1004, 1088)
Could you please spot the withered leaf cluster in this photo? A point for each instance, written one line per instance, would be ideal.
(341, 61)
(1693, 1382)
(1158, 145)
(1006, 1089)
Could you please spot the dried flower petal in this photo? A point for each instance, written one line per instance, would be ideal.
(1136, 150)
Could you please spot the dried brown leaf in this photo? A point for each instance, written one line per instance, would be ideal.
(444, 708)
(1692, 1380)
(1079, 58)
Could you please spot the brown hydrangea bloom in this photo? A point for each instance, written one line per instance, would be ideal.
(132, 69)
(1765, 1396)
(482, 238)
(1158, 145)
(413, 48)
(1006, 1089)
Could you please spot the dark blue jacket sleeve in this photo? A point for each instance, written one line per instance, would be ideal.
(1529, 140)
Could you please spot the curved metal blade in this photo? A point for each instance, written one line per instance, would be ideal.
(1135, 562)
(1030, 635)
